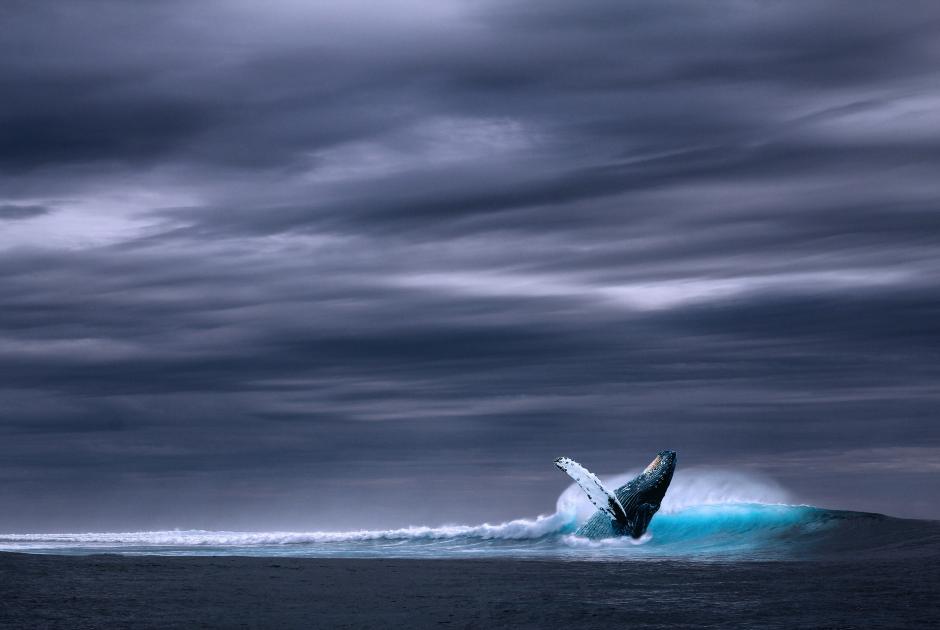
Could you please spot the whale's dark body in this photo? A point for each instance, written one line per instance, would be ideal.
(640, 499)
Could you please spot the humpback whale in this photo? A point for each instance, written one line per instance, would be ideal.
(627, 511)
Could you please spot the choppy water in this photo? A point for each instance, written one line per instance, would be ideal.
(706, 515)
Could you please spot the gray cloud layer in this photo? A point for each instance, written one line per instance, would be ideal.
(307, 259)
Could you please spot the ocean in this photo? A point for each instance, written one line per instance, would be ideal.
(724, 552)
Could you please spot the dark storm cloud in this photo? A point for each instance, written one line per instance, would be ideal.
(12, 212)
(302, 257)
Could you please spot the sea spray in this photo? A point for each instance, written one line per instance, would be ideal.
(689, 487)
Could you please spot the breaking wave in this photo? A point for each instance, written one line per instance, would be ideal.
(520, 529)
(706, 514)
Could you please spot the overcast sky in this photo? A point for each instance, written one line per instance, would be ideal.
(317, 265)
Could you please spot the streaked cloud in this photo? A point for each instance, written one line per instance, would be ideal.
(304, 247)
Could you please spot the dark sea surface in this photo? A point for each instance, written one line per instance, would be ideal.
(109, 591)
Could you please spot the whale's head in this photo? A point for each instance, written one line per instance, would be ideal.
(656, 478)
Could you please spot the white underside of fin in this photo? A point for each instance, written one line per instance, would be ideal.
(602, 498)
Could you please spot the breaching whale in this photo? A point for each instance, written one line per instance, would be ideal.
(629, 509)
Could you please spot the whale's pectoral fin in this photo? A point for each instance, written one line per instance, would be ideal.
(641, 519)
(602, 498)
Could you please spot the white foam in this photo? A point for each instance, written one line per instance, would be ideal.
(518, 529)
(606, 543)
